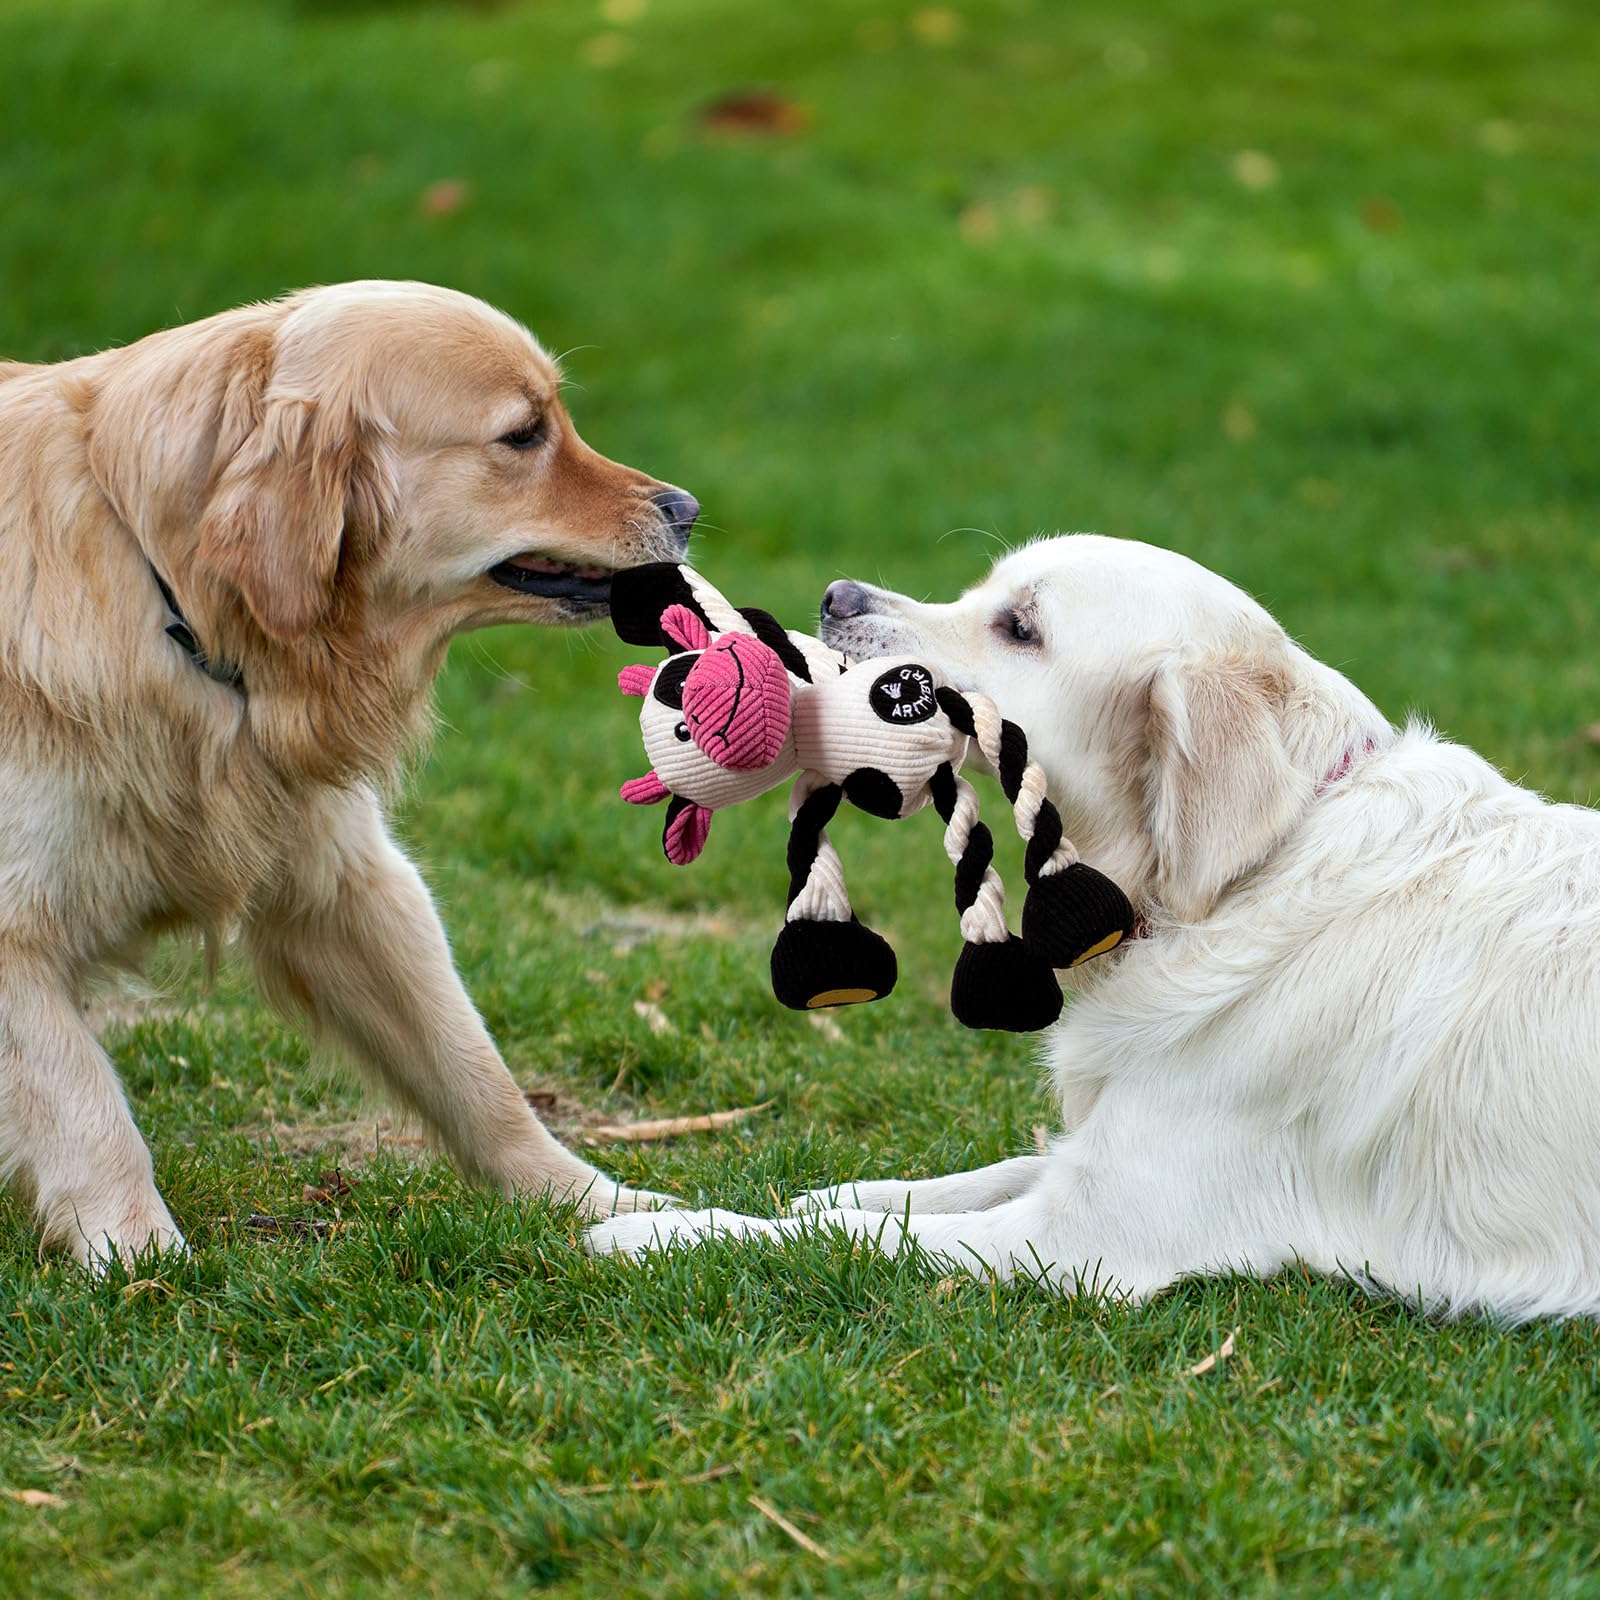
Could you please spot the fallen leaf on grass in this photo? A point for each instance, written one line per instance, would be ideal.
(669, 1127)
(1254, 169)
(653, 1016)
(753, 111)
(293, 1227)
(825, 1025)
(936, 25)
(778, 1520)
(329, 1189)
(1379, 215)
(445, 197)
(1216, 1358)
(33, 1497)
(979, 222)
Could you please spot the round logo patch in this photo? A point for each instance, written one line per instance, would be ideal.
(904, 694)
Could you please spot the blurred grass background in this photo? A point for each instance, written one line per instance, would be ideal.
(1310, 294)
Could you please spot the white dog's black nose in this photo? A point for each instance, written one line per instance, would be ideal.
(842, 599)
(678, 509)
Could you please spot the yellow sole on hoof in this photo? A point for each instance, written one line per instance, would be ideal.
(1110, 942)
(840, 997)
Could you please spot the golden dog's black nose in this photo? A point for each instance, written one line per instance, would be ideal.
(843, 599)
(678, 509)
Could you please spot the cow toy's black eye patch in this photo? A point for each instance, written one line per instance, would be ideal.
(668, 687)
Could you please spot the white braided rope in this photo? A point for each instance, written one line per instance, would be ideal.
(823, 897)
(720, 613)
(984, 921)
(1033, 791)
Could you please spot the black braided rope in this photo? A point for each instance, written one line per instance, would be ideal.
(954, 705)
(770, 632)
(1042, 842)
(1013, 759)
(805, 836)
(973, 864)
(979, 849)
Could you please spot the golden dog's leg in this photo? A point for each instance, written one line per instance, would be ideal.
(67, 1137)
(354, 945)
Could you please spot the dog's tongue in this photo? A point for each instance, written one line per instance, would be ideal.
(557, 569)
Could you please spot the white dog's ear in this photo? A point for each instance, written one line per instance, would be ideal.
(1220, 789)
(305, 476)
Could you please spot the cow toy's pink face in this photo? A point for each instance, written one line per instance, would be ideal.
(715, 724)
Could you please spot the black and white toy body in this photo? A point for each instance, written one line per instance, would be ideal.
(740, 706)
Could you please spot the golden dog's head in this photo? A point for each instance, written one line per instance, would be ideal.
(414, 439)
(337, 483)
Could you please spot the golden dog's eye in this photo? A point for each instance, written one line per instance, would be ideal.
(527, 437)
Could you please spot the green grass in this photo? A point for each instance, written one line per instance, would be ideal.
(1024, 276)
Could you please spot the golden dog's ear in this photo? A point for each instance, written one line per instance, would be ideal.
(306, 475)
(1220, 789)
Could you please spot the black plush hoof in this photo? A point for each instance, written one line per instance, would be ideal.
(817, 964)
(1072, 916)
(1006, 986)
(640, 594)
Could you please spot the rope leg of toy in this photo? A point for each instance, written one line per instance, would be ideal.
(999, 982)
(1072, 912)
(824, 955)
(980, 895)
(721, 613)
(816, 875)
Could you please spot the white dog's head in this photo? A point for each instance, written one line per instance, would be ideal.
(1181, 730)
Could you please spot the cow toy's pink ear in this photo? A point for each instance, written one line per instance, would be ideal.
(635, 681)
(684, 836)
(684, 628)
(646, 791)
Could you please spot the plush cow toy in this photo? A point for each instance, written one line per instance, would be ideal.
(739, 706)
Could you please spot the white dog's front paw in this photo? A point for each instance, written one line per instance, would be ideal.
(888, 1195)
(643, 1231)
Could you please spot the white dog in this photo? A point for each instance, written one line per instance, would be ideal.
(1362, 1025)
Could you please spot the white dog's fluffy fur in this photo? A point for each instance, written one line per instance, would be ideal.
(1364, 1029)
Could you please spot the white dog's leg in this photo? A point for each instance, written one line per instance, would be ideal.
(1021, 1237)
(1124, 1216)
(357, 945)
(976, 1190)
(66, 1133)
(1014, 1237)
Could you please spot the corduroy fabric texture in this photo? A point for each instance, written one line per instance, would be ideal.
(736, 701)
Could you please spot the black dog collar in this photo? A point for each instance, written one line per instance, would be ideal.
(179, 631)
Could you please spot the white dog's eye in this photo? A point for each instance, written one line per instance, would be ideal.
(1018, 627)
(527, 437)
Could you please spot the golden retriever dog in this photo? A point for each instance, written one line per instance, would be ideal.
(1360, 1024)
(233, 555)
